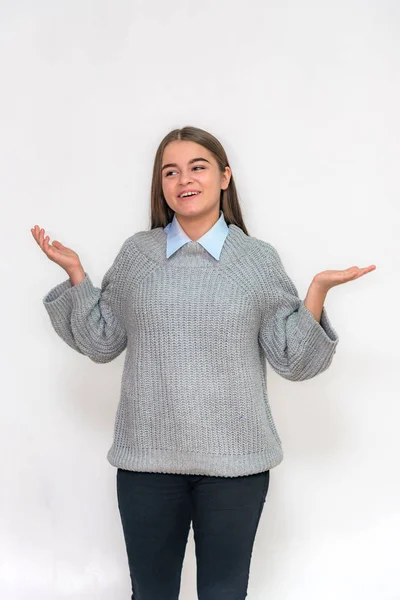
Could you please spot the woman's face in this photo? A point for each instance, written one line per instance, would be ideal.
(179, 174)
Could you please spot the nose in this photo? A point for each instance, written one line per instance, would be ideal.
(185, 178)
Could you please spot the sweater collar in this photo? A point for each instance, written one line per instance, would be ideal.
(212, 240)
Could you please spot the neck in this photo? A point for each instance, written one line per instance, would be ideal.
(195, 226)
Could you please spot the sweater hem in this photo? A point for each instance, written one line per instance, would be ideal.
(194, 463)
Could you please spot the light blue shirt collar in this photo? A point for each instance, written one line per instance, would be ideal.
(212, 240)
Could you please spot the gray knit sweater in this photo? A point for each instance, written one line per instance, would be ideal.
(196, 331)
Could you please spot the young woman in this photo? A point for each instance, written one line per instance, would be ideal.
(199, 305)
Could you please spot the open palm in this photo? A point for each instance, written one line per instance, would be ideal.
(57, 252)
(328, 279)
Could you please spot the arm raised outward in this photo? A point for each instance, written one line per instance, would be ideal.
(295, 343)
(87, 318)
(297, 336)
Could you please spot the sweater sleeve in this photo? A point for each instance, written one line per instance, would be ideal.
(296, 345)
(87, 317)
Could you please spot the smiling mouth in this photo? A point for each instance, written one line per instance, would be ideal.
(188, 197)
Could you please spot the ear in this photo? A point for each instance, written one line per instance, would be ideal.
(225, 178)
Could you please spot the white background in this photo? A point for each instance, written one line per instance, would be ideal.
(305, 98)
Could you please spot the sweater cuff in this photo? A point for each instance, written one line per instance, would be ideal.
(60, 296)
(316, 333)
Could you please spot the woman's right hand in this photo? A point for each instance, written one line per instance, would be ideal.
(61, 255)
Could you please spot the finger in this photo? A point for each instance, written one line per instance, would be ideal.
(34, 232)
(46, 247)
(37, 234)
(365, 270)
(42, 238)
(368, 269)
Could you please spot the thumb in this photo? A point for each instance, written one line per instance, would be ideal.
(58, 244)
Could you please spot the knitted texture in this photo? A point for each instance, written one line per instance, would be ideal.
(197, 334)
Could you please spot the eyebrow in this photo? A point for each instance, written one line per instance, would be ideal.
(190, 162)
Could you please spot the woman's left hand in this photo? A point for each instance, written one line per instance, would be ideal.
(328, 279)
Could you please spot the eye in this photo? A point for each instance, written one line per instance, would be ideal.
(196, 167)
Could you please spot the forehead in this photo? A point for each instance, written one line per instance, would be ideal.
(181, 151)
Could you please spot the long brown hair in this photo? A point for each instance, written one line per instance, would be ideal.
(161, 213)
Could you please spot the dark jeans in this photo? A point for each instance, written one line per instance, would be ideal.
(157, 510)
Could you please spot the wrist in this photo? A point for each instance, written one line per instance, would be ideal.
(76, 275)
(319, 287)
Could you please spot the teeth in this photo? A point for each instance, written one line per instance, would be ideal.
(189, 194)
